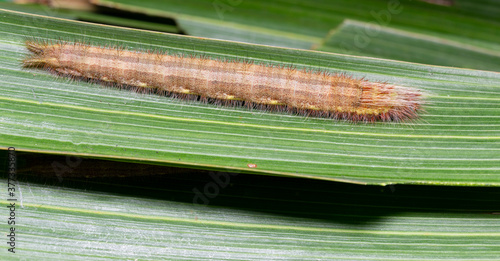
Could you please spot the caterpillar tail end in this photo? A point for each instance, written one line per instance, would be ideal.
(386, 102)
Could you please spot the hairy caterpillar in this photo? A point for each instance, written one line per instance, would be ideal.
(310, 93)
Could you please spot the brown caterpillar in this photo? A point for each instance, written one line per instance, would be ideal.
(297, 91)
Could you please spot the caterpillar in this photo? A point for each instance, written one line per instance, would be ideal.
(297, 91)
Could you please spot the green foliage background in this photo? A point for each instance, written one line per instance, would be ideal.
(456, 141)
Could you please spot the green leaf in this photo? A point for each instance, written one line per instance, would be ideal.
(297, 24)
(366, 39)
(95, 16)
(247, 217)
(456, 140)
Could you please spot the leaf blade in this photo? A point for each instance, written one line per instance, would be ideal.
(455, 141)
